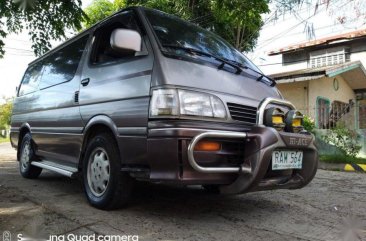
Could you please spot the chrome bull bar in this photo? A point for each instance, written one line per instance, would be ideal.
(215, 134)
(227, 134)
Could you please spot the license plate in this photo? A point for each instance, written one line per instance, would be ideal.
(282, 160)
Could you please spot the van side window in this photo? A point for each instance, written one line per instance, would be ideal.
(102, 50)
(31, 79)
(61, 66)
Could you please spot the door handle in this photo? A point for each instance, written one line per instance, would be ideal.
(85, 81)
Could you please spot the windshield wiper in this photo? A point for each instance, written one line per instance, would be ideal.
(234, 64)
(262, 77)
(199, 52)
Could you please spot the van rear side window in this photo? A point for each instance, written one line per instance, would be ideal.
(30, 80)
(61, 66)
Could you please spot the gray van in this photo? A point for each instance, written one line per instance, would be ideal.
(146, 96)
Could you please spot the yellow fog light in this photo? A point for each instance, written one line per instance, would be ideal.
(274, 117)
(277, 119)
(294, 121)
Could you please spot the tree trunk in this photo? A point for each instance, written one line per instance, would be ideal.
(238, 32)
(242, 39)
(191, 4)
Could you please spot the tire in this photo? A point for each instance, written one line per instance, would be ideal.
(106, 187)
(26, 156)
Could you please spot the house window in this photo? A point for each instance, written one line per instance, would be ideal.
(328, 57)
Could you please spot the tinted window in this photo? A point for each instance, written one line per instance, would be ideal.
(62, 65)
(31, 79)
(102, 51)
(174, 31)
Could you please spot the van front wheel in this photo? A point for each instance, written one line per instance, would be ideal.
(106, 187)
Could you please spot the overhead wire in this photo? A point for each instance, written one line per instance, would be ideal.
(305, 59)
(265, 43)
(12, 48)
(282, 34)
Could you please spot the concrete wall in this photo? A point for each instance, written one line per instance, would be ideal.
(327, 149)
(362, 142)
(294, 61)
(358, 51)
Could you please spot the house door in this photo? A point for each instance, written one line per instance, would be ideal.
(322, 111)
(362, 114)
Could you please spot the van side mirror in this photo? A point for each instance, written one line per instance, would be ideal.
(125, 40)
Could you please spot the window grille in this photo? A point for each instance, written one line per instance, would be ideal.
(328, 57)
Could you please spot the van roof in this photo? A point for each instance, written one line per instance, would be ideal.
(84, 32)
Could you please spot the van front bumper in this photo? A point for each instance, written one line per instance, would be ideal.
(172, 158)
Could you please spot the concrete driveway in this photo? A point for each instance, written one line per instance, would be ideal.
(331, 206)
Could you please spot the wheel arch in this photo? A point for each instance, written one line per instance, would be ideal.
(95, 125)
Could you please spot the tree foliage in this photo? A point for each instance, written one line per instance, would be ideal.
(45, 20)
(5, 114)
(237, 21)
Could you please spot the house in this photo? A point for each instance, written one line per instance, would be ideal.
(326, 79)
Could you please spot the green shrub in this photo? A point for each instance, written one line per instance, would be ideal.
(344, 139)
(341, 159)
(309, 124)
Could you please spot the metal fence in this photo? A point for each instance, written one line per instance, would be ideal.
(328, 116)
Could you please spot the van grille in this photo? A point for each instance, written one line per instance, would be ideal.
(243, 113)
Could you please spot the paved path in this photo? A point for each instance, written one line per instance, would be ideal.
(332, 204)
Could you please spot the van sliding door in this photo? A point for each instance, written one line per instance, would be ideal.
(56, 123)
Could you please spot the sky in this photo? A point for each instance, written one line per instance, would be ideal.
(12, 66)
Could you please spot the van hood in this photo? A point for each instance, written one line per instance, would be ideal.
(206, 77)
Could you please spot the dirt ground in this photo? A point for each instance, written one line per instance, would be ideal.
(333, 205)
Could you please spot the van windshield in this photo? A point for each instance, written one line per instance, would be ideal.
(173, 31)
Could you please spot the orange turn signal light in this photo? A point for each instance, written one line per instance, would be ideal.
(207, 146)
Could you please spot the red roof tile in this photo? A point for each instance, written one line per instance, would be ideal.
(322, 41)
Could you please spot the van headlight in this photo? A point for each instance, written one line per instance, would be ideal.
(176, 103)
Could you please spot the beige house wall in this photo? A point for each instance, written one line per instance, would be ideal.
(291, 67)
(324, 88)
(304, 94)
(296, 93)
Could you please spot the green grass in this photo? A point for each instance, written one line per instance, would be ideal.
(341, 159)
(2, 139)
